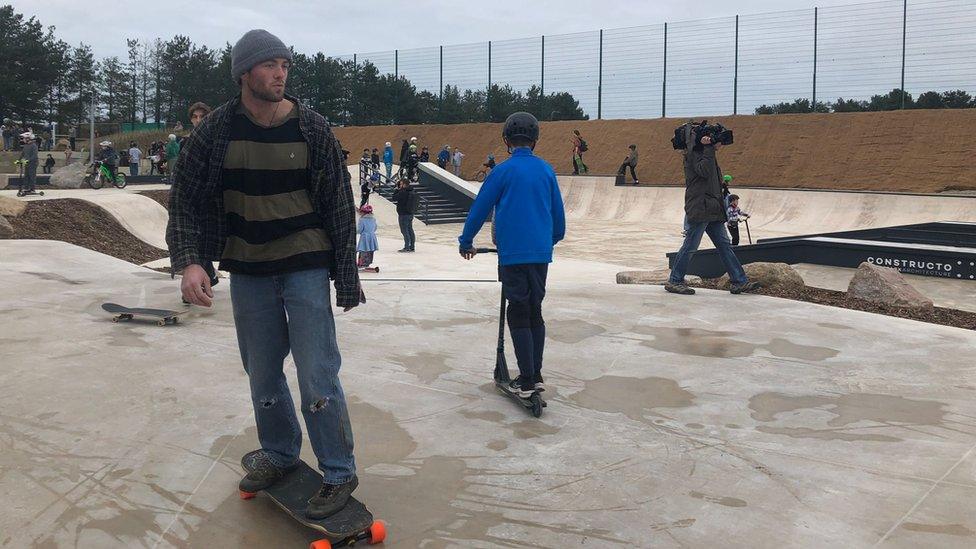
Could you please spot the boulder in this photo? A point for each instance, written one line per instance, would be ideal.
(11, 207)
(6, 230)
(770, 275)
(69, 177)
(886, 286)
(656, 277)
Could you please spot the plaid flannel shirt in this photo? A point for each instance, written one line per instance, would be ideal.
(197, 229)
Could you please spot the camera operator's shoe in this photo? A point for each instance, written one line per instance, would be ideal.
(747, 287)
(682, 289)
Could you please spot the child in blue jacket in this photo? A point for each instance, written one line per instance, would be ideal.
(529, 221)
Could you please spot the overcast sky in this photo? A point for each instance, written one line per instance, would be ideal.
(337, 28)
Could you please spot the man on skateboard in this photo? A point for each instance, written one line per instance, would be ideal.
(529, 221)
(261, 186)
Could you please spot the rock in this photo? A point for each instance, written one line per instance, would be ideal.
(886, 286)
(656, 277)
(11, 207)
(770, 275)
(69, 177)
(6, 230)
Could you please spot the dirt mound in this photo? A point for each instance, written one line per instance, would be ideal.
(924, 151)
(83, 224)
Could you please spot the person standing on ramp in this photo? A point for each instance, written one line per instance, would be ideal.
(262, 187)
(529, 221)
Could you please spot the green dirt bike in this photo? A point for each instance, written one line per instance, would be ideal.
(100, 174)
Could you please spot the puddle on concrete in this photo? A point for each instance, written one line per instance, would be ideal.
(847, 410)
(719, 344)
(427, 367)
(784, 348)
(572, 331)
(663, 526)
(486, 415)
(834, 326)
(633, 397)
(497, 445)
(721, 500)
(532, 428)
(57, 278)
(694, 425)
(732, 426)
(425, 324)
(123, 335)
(695, 342)
(947, 529)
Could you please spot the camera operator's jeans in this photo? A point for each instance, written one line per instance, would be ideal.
(716, 232)
(293, 312)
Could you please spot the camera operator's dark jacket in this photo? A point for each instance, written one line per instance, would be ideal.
(703, 187)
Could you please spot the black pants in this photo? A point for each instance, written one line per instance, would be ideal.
(46, 168)
(30, 177)
(524, 286)
(623, 167)
(365, 198)
(734, 231)
(406, 229)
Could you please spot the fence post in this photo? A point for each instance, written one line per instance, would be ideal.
(542, 77)
(904, 29)
(599, 84)
(813, 104)
(440, 102)
(355, 81)
(488, 95)
(735, 78)
(664, 81)
(396, 85)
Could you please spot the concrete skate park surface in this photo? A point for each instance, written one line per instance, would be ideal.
(672, 421)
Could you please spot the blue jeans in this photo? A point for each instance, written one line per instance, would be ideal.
(133, 168)
(293, 312)
(716, 232)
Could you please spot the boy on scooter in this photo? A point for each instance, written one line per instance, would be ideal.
(529, 221)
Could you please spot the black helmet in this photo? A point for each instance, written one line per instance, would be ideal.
(521, 124)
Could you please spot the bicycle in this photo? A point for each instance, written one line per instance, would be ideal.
(100, 173)
(481, 174)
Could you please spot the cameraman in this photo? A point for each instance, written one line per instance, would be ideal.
(705, 211)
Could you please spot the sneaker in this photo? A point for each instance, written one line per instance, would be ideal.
(330, 499)
(540, 385)
(263, 473)
(516, 387)
(402, 250)
(681, 288)
(636, 182)
(747, 287)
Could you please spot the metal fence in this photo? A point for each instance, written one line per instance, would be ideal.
(722, 65)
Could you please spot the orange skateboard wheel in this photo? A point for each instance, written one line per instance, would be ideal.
(377, 532)
(320, 544)
(247, 495)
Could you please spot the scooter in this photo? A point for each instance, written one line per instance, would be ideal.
(21, 191)
(534, 403)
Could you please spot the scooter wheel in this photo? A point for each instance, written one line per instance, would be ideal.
(536, 401)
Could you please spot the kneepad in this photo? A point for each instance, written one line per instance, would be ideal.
(519, 314)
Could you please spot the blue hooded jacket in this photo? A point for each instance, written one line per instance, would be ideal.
(529, 215)
(388, 155)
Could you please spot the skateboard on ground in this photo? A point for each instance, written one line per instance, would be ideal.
(349, 526)
(163, 316)
(534, 403)
(369, 269)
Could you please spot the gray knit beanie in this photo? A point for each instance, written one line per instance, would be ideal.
(256, 46)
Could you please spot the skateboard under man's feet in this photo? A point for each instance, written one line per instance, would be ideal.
(122, 312)
(347, 527)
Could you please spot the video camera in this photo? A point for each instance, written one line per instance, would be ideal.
(718, 133)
